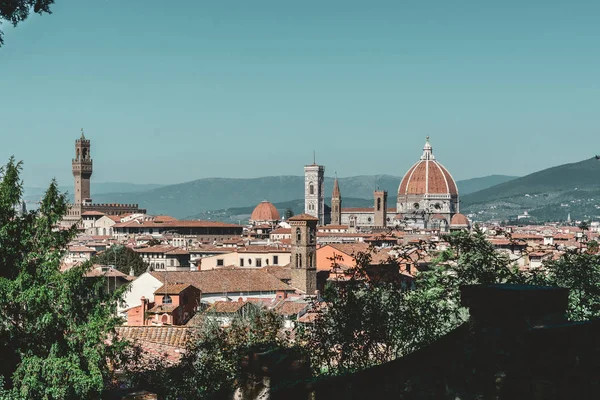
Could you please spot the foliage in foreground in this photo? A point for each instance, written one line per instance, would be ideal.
(54, 326)
(211, 365)
(16, 11)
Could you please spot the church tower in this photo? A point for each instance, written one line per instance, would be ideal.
(380, 207)
(304, 253)
(82, 170)
(336, 204)
(314, 188)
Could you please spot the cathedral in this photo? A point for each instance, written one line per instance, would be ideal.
(427, 199)
(82, 168)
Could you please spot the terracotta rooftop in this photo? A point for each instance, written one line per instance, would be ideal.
(303, 217)
(172, 288)
(220, 281)
(288, 308)
(175, 224)
(427, 176)
(165, 335)
(265, 211)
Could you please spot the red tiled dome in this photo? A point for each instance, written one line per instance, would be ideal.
(265, 211)
(427, 176)
(459, 219)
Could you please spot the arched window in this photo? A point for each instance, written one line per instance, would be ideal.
(85, 153)
(167, 299)
(311, 189)
(298, 234)
(310, 260)
(379, 204)
(164, 319)
(298, 260)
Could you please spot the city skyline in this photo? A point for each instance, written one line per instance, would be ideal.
(169, 97)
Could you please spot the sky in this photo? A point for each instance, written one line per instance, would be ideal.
(175, 91)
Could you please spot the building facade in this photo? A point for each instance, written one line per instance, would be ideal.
(314, 192)
(304, 253)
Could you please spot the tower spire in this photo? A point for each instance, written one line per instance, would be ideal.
(336, 188)
(427, 151)
(82, 134)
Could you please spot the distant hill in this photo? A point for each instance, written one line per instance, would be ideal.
(549, 194)
(34, 193)
(197, 198)
(468, 186)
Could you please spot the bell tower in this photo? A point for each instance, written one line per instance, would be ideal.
(82, 170)
(304, 253)
(380, 206)
(336, 204)
(314, 191)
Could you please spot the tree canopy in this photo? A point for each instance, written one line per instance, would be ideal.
(123, 258)
(16, 11)
(54, 326)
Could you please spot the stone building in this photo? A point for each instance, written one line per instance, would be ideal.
(82, 167)
(314, 192)
(427, 199)
(304, 253)
(428, 195)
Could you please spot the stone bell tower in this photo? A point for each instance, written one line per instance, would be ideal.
(82, 170)
(304, 253)
(380, 197)
(336, 204)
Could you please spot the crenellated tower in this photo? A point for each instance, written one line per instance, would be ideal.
(82, 170)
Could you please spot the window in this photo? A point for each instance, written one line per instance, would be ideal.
(369, 219)
(220, 262)
(249, 261)
(275, 260)
(267, 261)
(241, 262)
(167, 299)
(172, 263)
(311, 189)
(379, 204)
(298, 234)
(259, 262)
(312, 236)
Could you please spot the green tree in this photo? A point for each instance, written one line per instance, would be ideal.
(15, 11)
(211, 366)
(54, 327)
(288, 213)
(593, 247)
(123, 258)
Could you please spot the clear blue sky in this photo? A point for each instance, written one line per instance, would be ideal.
(175, 91)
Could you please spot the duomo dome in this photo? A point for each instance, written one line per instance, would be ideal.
(427, 189)
(265, 213)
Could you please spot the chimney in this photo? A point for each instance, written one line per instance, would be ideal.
(144, 309)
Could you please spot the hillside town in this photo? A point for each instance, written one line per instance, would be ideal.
(217, 269)
(299, 201)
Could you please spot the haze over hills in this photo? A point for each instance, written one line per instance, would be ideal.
(231, 197)
(547, 195)
(33, 193)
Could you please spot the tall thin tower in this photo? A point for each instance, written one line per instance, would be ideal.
(314, 191)
(82, 170)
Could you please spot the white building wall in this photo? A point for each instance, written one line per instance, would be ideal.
(144, 285)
